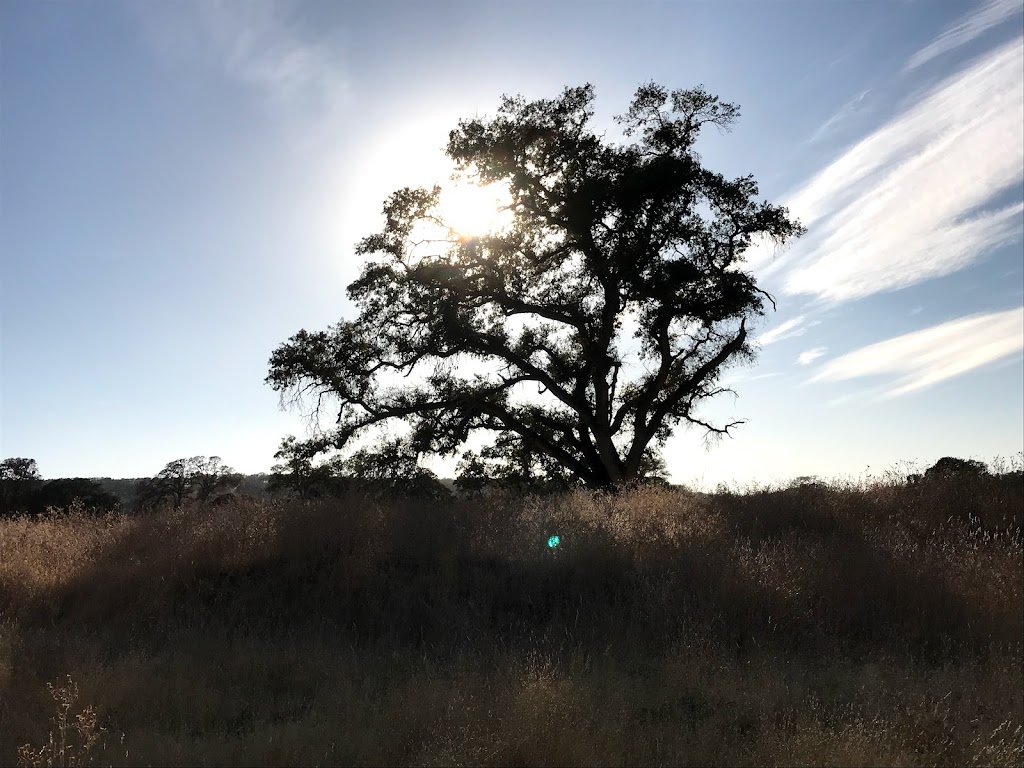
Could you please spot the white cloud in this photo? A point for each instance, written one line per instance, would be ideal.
(735, 376)
(967, 28)
(808, 357)
(299, 80)
(796, 327)
(844, 114)
(921, 359)
(908, 203)
(263, 49)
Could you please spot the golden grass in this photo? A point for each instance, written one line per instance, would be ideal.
(878, 624)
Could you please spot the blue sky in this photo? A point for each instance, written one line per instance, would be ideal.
(181, 186)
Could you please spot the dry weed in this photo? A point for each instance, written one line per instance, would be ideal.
(860, 623)
(75, 735)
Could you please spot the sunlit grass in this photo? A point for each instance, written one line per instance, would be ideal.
(870, 624)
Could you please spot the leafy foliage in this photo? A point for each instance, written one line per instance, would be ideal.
(19, 481)
(950, 469)
(295, 474)
(614, 251)
(19, 469)
(62, 492)
(22, 489)
(512, 463)
(389, 468)
(200, 478)
(951, 466)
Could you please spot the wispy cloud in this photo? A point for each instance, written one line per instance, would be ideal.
(921, 359)
(908, 202)
(795, 327)
(299, 79)
(737, 376)
(262, 48)
(844, 114)
(967, 28)
(808, 357)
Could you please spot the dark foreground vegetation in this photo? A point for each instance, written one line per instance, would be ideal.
(876, 623)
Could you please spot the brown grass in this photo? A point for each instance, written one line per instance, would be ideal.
(870, 624)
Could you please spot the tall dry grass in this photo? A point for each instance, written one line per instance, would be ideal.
(877, 623)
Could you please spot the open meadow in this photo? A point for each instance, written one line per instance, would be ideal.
(870, 623)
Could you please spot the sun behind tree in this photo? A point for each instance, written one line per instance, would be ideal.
(520, 331)
(472, 211)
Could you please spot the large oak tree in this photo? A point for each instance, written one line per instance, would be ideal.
(589, 327)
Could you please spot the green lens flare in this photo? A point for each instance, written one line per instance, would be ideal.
(553, 541)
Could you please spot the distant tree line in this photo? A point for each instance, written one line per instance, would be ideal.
(22, 489)
(200, 478)
(388, 469)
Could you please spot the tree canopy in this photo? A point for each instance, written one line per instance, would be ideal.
(586, 329)
(296, 474)
(62, 492)
(388, 468)
(200, 478)
(23, 490)
(19, 482)
(951, 466)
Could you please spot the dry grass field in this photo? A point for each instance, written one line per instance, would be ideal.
(869, 623)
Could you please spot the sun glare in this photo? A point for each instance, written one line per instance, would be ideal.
(472, 211)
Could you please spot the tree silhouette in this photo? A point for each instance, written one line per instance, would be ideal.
(588, 328)
(388, 468)
(62, 492)
(19, 481)
(512, 463)
(296, 474)
(199, 478)
(950, 466)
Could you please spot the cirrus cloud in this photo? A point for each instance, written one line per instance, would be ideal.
(298, 78)
(923, 196)
(990, 14)
(922, 359)
(809, 356)
(912, 201)
(796, 326)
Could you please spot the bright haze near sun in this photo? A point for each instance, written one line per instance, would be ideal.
(183, 186)
(470, 210)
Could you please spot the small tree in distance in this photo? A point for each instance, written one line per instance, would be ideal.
(390, 468)
(613, 250)
(296, 474)
(950, 466)
(19, 481)
(61, 493)
(199, 478)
